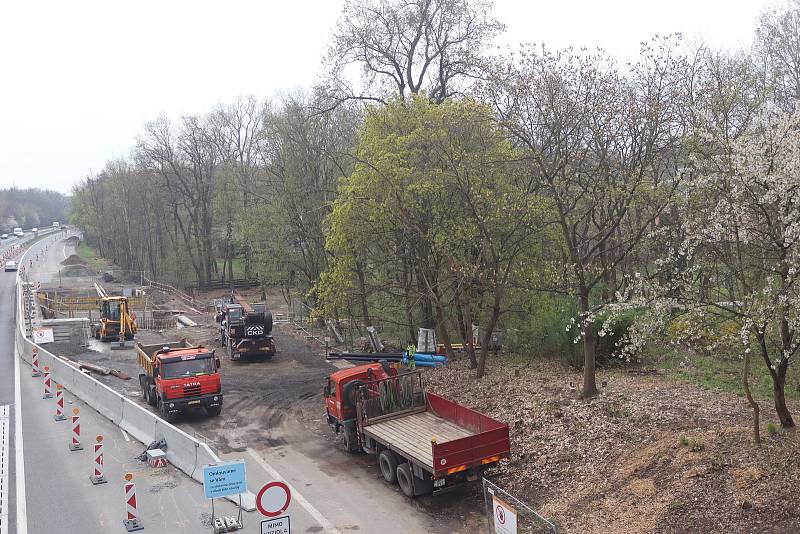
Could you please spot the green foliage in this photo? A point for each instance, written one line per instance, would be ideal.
(435, 204)
(719, 371)
(545, 328)
(773, 429)
(684, 441)
(89, 255)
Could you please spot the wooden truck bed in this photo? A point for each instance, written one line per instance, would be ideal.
(411, 434)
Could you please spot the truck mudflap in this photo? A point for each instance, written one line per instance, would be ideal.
(203, 401)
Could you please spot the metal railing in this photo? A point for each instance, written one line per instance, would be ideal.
(381, 398)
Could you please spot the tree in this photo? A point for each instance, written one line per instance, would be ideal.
(441, 181)
(603, 147)
(410, 47)
(742, 223)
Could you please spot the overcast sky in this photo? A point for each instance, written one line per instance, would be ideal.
(78, 78)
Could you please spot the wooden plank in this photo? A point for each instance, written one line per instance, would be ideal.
(411, 435)
(406, 448)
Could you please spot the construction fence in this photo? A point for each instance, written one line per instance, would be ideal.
(507, 514)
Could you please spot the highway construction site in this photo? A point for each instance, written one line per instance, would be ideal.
(273, 406)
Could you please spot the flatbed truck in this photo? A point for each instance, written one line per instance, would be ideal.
(423, 441)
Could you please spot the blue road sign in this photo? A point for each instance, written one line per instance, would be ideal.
(223, 479)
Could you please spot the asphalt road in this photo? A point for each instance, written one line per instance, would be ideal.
(58, 496)
(332, 491)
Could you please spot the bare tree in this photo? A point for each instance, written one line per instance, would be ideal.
(409, 47)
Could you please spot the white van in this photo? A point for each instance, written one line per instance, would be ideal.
(56, 224)
(18, 232)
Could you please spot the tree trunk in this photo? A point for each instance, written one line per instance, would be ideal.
(589, 380)
(362, 295)
(778, 383)
(778, 391)
(448, 346)
(753, 403)
(466, 325)
(487, 335)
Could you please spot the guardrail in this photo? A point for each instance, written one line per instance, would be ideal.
(183, 451)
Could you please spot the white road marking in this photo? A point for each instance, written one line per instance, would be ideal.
(22, 507)
(296, 495)
(125, 435)
(4, 466)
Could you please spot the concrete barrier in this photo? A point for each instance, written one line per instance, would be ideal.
(183, 451)
(139, 423)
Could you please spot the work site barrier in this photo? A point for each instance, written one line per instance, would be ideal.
(183, 451)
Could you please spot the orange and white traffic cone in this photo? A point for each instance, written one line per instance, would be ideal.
(35, 371)
(97, 477)
(59, 403)
(48, 394)
(131, 522)
(75, 441)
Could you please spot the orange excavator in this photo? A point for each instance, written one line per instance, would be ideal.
(117, 322)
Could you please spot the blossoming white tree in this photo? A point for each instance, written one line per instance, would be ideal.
(739, 260)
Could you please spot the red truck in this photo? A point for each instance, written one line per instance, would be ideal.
(422, 441)
(178, 376)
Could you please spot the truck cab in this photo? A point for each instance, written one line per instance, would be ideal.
(178, 378)
(341, 390)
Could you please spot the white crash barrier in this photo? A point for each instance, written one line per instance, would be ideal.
(183, 451)
(139, 423)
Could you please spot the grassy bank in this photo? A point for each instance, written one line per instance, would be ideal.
(88, 254)
(724, 373)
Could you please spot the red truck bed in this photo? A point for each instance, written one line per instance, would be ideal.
(443, 436)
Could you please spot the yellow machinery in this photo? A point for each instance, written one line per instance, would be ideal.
(117, 323)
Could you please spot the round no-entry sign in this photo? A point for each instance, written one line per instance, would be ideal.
(273, 499)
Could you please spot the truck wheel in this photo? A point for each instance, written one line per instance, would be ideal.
(165, 415)
(351, 440)
(387, 462)
(404, 479)
(151, 396)
(213, 411)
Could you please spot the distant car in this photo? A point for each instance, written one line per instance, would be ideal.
(4, 236)
(11, 266)
(34, 229)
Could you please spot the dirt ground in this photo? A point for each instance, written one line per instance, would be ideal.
(647, 455)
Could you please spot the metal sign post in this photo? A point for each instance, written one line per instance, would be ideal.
(222, 480)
